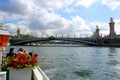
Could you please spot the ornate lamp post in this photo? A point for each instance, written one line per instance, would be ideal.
(4, 37)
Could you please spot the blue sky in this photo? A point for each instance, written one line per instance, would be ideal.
(3, 1)
(51, 17)
(96, 12)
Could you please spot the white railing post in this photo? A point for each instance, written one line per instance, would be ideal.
(0, 57)
(2, 74)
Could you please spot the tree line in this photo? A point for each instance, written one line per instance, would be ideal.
(23, 36)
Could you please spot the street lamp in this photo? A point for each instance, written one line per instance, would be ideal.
(4, 37)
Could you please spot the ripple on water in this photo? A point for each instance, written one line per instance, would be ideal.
(78, 63)
(83, 73)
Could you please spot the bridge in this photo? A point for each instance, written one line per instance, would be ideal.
(87, 41)
(96, 40)
(24, 41)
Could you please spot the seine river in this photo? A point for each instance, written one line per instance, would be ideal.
(78, 63)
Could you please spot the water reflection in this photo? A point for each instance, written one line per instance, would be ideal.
(112, 57)
(83, 73)
(112, 52)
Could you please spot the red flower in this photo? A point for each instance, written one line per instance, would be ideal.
(10, 63)
(2, 57)
(20, 61)
(29, 66)
(35, 55)
(15, 64)
(22, 55)
(18, 56)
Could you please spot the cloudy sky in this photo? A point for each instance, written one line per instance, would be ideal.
(51, 17)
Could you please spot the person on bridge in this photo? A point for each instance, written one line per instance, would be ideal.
(11, 53)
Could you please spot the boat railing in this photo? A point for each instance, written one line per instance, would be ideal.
(2, 75)
(38, 74)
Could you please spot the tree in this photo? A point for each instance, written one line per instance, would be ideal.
(24, 36)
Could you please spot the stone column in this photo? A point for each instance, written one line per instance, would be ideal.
(97, 32)
(112, 31)
(18, 33)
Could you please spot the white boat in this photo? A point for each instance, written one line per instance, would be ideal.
(37, 73)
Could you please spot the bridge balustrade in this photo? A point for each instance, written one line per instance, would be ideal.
(89, 41)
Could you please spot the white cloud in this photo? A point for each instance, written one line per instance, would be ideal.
(38, 17)
(80, 24)
(11, 28)
(113, 4)
(45, 20)
(69, 10)
(52, 4)
(2, 14)
(77, 26)
(103, 27)
(83, 28)
(21, 7)
(85, 3)
(117, 26)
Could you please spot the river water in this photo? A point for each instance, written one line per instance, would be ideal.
(78, 63)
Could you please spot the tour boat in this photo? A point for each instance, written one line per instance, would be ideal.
(36, 74)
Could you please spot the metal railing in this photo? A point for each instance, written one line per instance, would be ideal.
(38, 74)
(2, 75)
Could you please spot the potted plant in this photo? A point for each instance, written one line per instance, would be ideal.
(20, 66)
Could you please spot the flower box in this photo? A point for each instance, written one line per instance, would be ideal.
(20, 66)
(20, 61)
(23, 74)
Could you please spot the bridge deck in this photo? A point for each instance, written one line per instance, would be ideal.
(88, 41)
